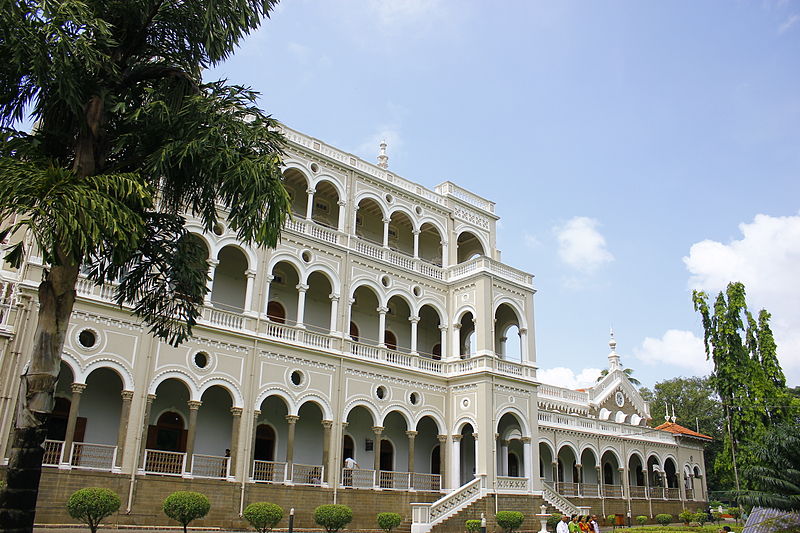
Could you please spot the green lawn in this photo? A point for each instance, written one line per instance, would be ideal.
(676, 528)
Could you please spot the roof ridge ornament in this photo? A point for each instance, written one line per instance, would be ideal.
(613, 357)
(383, 159)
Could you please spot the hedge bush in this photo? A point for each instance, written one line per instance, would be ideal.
(736, 513)
(553, 521)
(664, 519)
(641, 520)
(717, 516)
(388, 521)
(333, 517)
(509, 520)
(92, 504)
(612, 520)
(686, 517)
(473, 526)
(184, 506)
(263, 516)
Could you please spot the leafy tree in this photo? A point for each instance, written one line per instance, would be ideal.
(185, 506)
(664, 519)
(128, 139)
(333, 517)
(93, 504)
(473, 526)
(627, 371)
(747, 376)
(509, 520)
(388, 521)
(696, 407)
(776, 473)
(263, 516)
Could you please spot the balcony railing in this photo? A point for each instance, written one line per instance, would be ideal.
(656, 493)
(431, 482)
(210, 466)
(690, 494)
(89, 456)
(164, 463)
(613, 491)
(589, 490)
(269, 471)
(358, 478)
(673, 493)
(602, 427)
(52, 452)
(638, 491)
(566, 488)
(394, 480)
(307, 474)
(512, 484)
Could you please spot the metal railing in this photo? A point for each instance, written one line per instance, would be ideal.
(673, 493)
(566, 488)
(210, 466)
(690, 494)
(358, 478)
(656, 493)
(638, 491)
(421, 481)
(165, 463)
(307, 474)
(269, 471)
(589, 490)
(613, 491)
(52, 452)
(394, 480)
(90, 456)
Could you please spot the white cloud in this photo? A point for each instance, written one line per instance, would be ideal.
(679, 348)
(581, 246)
(368, 150)
(393, 12)
(566, 377)
(788, 23)
(767, 260)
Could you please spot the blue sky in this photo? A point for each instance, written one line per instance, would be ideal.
(636, 150)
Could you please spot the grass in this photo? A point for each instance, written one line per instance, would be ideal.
(678, 528)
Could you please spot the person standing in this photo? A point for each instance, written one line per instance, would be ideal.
(563, 524)
(595, 524)
(573, 525)
(583, 524)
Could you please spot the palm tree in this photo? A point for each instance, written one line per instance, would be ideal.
(628, 372)
(777, 470)
(128, 139)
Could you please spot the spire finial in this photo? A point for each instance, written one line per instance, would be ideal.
(673, 418)
(383, 159)
(613, 357)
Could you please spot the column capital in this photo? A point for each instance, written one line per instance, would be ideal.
(386, 220)
(345, 424)
(256, 413)
(194, 405)
(411, 434)
(292, 419)
(456, 325)
(415, 231)
(236, 411)
(597, 467)
(302, 287)
(441, 438)
(310, 191)
(341, 203)
(268, 278)
(250, 273)
(554, 463)
(151, 398)
(413, 319)
(327, 424)
(382, 310)
(578, 466)
(457, 437)
(443, 327)
(333, 297)
(212, 262)
(474, 436)
(127, 395)
(78, 388)
(527, 440)
(377, 430)
(523, 331)
(621, 469)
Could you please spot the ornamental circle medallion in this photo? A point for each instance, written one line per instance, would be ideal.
(620, 399)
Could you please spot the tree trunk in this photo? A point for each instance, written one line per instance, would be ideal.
(35, 402)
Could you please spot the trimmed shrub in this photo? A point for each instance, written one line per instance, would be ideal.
(736, 513)
(717, 516)
(553, 521)
(641, 520)
(509, 520)
(612, 520)
(388, 521)
(473, 526)
(333, 517)
(263, 516)
(664, 519)
(686, 516)
(700, 517)
(184, 506)
(92, 504)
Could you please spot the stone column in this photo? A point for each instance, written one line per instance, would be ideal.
(691, 485)
(455, 461)
(327, 434)
(443, 341)
(477, 454)
(443, 461)
(334, 312)
(342, 214)
(416, 233)
(212, 268)
(301, 303)
(310, 203)
(125, 413)
(378, 430)
(66, 452)
(527, 452)
(194, 406)
(455, 347)
(145, 427)
(348, 319)
(523, 344)
(386, 232)
(248, 293)
(382, 326)
(236, 414)
(252, 458)
(412, 435)
(599, 477)
(503, 457)
(292, 421)
(579, 481)
(554, 464)
(664, 484)
(414, 323)
(267, 283)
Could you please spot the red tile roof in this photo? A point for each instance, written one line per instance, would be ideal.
(672, 427)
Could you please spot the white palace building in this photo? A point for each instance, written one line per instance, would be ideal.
(384, 328)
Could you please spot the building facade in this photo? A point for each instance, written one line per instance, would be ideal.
(384, 329)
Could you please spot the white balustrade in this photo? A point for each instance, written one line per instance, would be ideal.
(269, 471)
(429, 482)
(394, 480)
(210, 466)
(358, 478)
(512, 484)
(307, 474)
(165, 463)
(52, 452)
(93, 456)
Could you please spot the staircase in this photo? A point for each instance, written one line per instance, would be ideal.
(558, 501)
(426, 515)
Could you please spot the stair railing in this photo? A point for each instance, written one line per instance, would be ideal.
(558, 501)
(426, 515)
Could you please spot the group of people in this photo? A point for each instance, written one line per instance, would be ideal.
(578, 524)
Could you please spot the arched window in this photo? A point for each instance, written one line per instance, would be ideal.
(265, 443)
(387, 455)
(354, 331)
(276, 312)
(168, 433)
(608, 474)
(390, 340)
